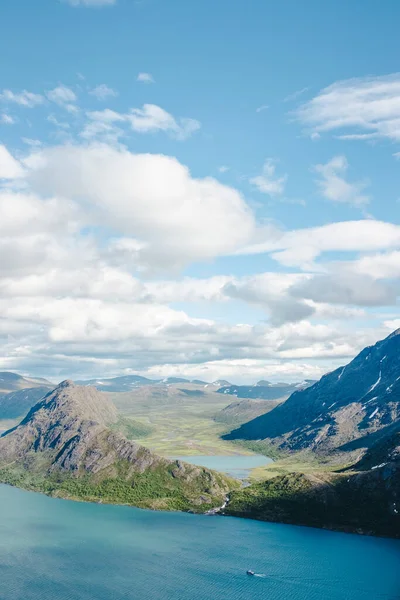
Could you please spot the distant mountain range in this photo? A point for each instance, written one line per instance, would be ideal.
(11, 382)
(66, 447)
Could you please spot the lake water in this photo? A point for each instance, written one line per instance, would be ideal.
(238, 466)
(59, 550)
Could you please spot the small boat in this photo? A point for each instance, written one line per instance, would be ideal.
(250, 572)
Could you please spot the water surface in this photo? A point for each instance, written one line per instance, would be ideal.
(238, 466)
(59, 550)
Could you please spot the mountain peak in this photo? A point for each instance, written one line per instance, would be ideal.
(394, 334)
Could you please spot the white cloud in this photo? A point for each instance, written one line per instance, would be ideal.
(152, 198)
(362, 109)
(74, 301)
(6, 119)
(262, 108)
(301, 247)
(334, 186)
(151, 118)
(10, 168)
(145, 78)
(27, 99)
(63, 97)
(103, 91)
(268, 182)
(223, 169)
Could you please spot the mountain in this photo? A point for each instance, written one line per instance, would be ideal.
(264, 390)
(11, 382)
(242, 411)
(348, 410)
(125, 383)
(66, 447)
(16, 404)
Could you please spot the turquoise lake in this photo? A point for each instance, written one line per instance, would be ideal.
(238, 466)
(59, 550)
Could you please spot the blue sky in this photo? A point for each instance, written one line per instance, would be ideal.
(190, 162)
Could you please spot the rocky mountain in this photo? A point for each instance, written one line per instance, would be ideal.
(265, 390)
(66, 446)
(349, 410)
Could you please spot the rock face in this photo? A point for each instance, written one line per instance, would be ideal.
(350, 409)
(66, 439)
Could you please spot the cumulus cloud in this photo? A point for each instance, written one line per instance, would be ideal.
(24, 98)
(151, 198)
(83, 225)
(10, 168)
(358, 109)
(145, 78)
(268, 182)
(333, 184)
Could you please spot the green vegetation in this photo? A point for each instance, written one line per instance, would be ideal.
(181, 424)
(358, 502)
(156, 489)
(131, 429)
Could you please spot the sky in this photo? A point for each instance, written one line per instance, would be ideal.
(198, 189)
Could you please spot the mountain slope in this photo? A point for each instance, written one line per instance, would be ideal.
(348, 409)
(18, 403)
(363, 502)
(239, 412)
(65, 447)
(264, 390)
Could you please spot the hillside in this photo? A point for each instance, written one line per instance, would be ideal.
(66, 447)
(265, 390)
(242, 411)
(348, 410)
(362, 502)
(16, 404)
